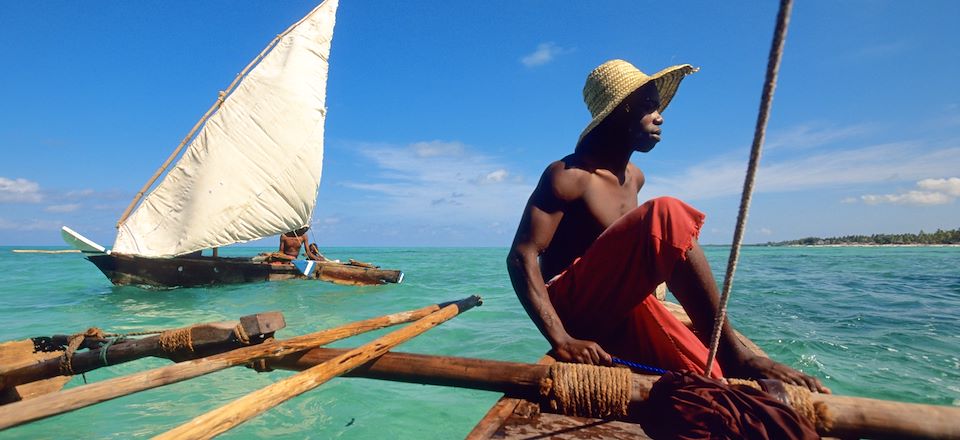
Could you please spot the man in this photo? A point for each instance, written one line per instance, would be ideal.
(291, 242)
(586, 258)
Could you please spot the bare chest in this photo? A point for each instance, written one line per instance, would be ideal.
(605, 202)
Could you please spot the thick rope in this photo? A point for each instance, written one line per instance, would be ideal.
(587, 390)
(818, 413)
(241, 335)
(773, 67)
(177, 340)
(66, 361)
(170, 341)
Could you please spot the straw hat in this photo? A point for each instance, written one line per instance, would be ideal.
(610, 83)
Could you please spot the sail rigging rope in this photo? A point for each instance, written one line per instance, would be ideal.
(773, 67)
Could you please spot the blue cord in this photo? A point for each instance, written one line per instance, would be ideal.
(641, 367)
(103, 350)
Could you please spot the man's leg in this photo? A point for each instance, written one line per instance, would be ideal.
(605, 296)
(693, 284)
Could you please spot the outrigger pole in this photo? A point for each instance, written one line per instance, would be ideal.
(41, 407)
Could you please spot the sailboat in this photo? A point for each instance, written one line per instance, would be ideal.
(251, 169)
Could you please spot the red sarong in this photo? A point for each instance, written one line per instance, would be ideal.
(606, 295)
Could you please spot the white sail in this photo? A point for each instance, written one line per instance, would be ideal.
(253, 170)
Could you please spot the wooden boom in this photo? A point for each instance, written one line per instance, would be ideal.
(852, 416)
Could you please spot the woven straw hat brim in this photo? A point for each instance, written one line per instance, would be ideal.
(666, 80)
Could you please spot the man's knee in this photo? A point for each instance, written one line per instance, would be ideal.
(665, 203)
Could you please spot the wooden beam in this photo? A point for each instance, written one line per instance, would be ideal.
(852, 416)
(57, 403)
(247, 407)
(206, 339)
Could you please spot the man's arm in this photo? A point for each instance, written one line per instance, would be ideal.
(541, 218)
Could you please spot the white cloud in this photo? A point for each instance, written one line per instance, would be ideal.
(19, 190)
(69, 207)
(813, 134)
(78, 193)
(544, 54)
(32, 225)
(903, 161)
(437, 148)
(466, 188)
(950, 186)
(494, 176)
(933, 192)
(908, 198)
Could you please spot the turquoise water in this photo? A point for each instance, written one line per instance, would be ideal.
(873, 322)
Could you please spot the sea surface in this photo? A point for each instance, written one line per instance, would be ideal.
(881, 322)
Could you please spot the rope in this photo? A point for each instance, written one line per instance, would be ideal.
(587, 390)
(73, 343)
(172, 341)
(241, 334)
(638, 366)
(103, 350)
(773, 67)
(799, 398)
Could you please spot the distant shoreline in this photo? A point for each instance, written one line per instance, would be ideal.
(860, 245)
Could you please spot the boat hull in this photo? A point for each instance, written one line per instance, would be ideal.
(124, 269)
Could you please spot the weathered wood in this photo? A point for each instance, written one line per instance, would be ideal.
(52, 404)
(22, 352)
(228, 416)
(853, 416)
(192, 271)
(206, 339)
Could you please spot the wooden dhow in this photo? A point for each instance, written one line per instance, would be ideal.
(249, 169)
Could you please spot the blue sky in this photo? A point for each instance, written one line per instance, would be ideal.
(442, 115)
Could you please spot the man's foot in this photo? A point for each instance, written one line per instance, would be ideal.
(759, 367)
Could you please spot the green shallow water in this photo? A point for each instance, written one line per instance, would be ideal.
(873, 322)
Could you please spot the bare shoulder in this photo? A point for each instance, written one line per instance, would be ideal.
(564, 180)
(636, 174)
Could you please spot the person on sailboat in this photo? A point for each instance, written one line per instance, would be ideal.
(291, 242)
(586, 257)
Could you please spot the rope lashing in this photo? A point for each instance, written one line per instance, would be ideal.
(587, 390)
(241, 335)
(818, 413)
(176, 340)
(66, 361)
(773, 67)
(170, 341)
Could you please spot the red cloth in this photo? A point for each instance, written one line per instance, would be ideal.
(689, 406)
(605, 296)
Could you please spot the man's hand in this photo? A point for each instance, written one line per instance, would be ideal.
(759, 367)
(582, 352)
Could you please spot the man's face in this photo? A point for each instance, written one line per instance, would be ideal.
(643, 117)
